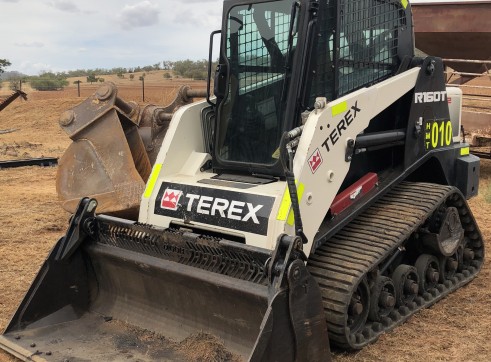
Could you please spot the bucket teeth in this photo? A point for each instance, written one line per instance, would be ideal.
(208, 253)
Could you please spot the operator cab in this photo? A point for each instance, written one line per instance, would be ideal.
(276, 57)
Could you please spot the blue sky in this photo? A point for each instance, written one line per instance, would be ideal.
(59, 35)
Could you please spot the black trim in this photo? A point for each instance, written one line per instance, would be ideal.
(44, 161)
(430, 79)
(210, 61)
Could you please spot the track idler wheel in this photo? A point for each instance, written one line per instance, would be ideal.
(428, 269)
(359, 307)
(406, 283)
(382, 300)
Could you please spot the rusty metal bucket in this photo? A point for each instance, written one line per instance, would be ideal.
(114, 144)
(107, 159)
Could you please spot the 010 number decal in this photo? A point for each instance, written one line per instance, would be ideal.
(438, 134)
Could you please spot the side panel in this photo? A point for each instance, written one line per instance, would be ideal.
(320, 162)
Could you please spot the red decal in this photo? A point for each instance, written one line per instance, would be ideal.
(315, 160)
(449, 100)
(351, 194)
(170, 199)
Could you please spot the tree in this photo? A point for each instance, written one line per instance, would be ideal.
(132, 76)
(49, 81)
(117, 71)
(4, 63)
(91, 78)
(167, 75)
(192, 69)
(77, 82)
(16, 80)
(182, 67)
(167, 64)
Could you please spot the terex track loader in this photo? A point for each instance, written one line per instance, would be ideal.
(319, 197)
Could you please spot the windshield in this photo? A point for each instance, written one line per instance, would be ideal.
(250, 124)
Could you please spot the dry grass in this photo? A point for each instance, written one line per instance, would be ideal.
(38, 133)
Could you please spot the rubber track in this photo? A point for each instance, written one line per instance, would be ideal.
(344, 260)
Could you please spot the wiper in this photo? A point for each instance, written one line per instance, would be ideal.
(292, 31)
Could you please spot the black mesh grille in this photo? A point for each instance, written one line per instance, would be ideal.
(254, 58)
(208, 253)
(367, 42)
(250, 117)
(363, 50)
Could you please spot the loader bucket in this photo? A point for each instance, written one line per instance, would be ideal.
(114, 144)
(113, 289)
(108, 150)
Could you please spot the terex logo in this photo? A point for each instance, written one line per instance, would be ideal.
(233, 209)
(170, 200)
(229, 209)
(430, 97)
(342, 125)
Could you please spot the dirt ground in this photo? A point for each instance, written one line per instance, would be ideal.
(456, 329)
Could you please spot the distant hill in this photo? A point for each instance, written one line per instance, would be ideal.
(9, 75)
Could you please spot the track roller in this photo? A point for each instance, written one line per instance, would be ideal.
(383, 299)
(406, 283)
(359, 307)
(428, 270)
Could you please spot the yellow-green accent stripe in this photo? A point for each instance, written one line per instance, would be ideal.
(339, 108)
(152, 180)
(284, 211)
(284, 206)
(464, 151)
(404, 3)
